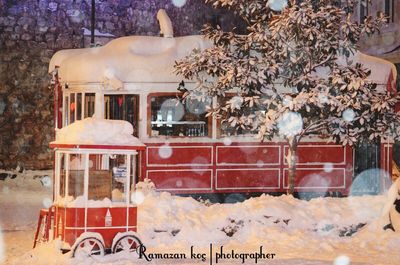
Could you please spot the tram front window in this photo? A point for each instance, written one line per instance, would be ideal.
(108, 177)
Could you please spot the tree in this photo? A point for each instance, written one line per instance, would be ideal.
(293, 74)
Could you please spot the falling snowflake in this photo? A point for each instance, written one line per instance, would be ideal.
(227, 141)
(290, 124)
(277, 5)
(137, 197)
(328, 167)
(165, 151)
(341, 260)
(348, 115)
(179, 3)
(47, 202)
(109, 73)
(236, 102)
(46, 181)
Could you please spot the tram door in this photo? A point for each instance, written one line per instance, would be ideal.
(123, 107)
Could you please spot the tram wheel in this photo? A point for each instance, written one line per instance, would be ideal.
(88, 247)
(128, 243)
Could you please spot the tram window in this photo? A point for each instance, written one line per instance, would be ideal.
(122, 107)
(66, 110)
(119, 177)
(170, 117)
(72, 179)
(89, 105)
(99, 178)
(79, 106)
(72, 107)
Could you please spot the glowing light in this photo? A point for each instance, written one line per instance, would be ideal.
(137, 197)
(342, 260)
(179, 3)
(277, 5)
(290, 124)
(165, 151)
(348, 115)
(47, 202)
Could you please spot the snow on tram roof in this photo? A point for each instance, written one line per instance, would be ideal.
(95, 131)
(151, 59)
(128, 59)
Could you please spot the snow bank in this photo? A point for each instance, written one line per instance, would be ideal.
(94, 131)
(299, 232)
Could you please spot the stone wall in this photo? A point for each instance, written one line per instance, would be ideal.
(31, 31)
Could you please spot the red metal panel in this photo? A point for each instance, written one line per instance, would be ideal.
(75, 217)
(248, 155)
(184, 179)
(317, 178)
(319, 154)
(247, 179)
(179, 155)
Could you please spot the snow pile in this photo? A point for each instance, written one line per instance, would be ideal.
(94, 131)
(133, 59)
(319, 231)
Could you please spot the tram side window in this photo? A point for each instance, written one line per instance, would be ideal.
(74, 102)
(72, 175)
(89, 105)
(170, 117)
(122, 107)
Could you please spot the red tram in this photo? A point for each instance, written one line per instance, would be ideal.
(132, 79)
(119, 119)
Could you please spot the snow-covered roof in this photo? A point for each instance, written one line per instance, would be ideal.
(95, 131)
(127, 59)
(152, 59)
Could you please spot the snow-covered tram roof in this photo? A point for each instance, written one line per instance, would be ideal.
(126, 59)
(96, 132)
(145, 59)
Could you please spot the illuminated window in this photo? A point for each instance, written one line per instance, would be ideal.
(170, 116)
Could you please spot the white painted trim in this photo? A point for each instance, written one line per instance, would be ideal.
(317, 163)
(248, 188)
(96, 227)
(189, 170)
(86, 187)
(182, 164)
(285, 185)
(248, 164)
(127, 186)
(95, 151)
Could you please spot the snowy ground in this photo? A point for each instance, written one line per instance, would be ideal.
(298, 232)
